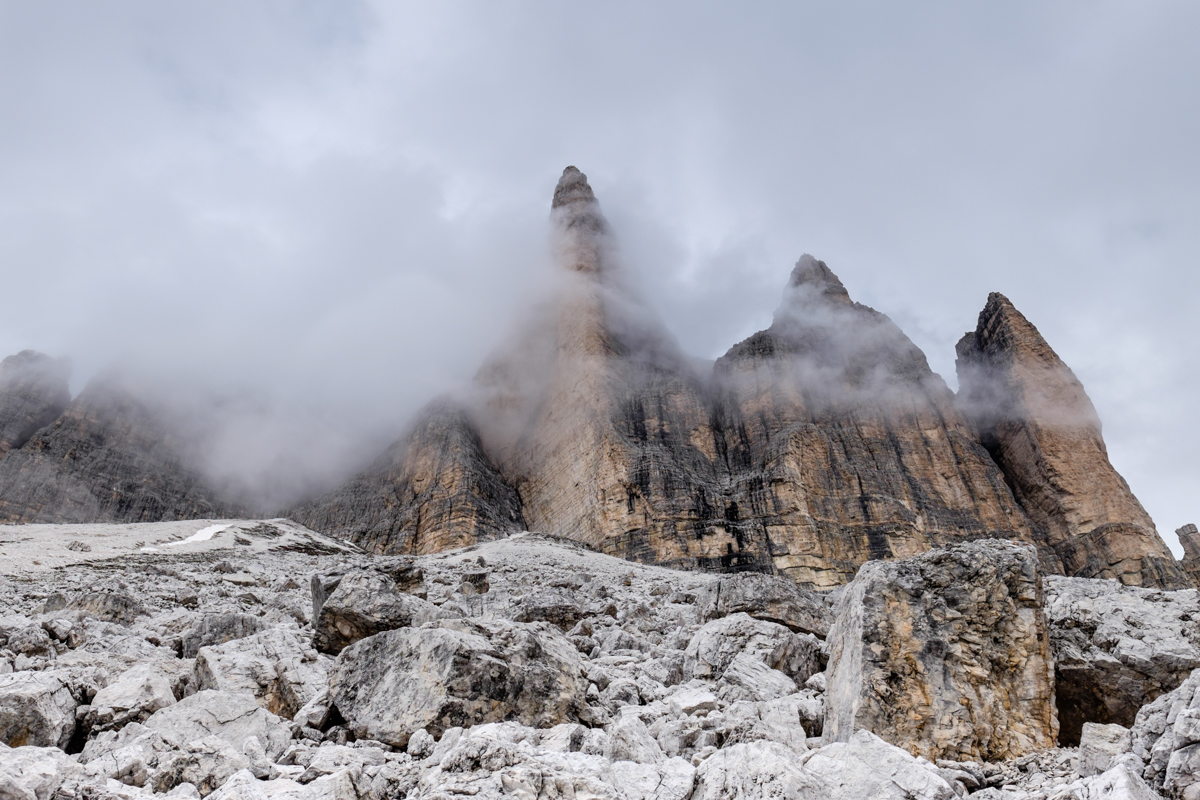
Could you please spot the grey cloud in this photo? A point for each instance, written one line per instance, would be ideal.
(332, 213)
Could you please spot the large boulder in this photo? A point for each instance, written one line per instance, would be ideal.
(766, 597)
(742, 651)
(276, 666)
(36, 709)
(457, 673)
(232, 717)
(1116, 648)
(945, 655)
(756, 770)
(34, 773)
(1166, 737)
(132, 697)
(363, 603)
(868, 767)
(214, 629)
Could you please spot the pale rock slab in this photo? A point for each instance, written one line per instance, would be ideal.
(364, 603)
(457, 673)
(276, 666)
(757, 771)
(34, 773)
(717, 646)
(1099, 745)
(867, 766)
(1118, 783)
(945, 654)
(132, 697)
(36, 709)
(1116, 648)
(766, 597)
(232, 717)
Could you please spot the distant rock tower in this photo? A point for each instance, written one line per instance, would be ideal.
(1189, 537)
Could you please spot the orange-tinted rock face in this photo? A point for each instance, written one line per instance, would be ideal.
(1037, 421)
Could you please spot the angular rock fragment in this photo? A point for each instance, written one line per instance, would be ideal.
(766, 597)
(36, 709)
(275, 666)
(1099, 745)
(232, 717)
(946, 655)
(1116, 648)
(366, 602)
(216, 629)
(757, 769)
(34, 773)
(866, 766)
(742, 650)
(132, 697)
(457, 673)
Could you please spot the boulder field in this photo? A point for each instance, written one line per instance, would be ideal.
(263, 660)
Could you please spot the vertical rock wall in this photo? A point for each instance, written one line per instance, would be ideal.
(1037, 421)
(33, 392)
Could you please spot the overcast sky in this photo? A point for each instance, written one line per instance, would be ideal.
(337, 208)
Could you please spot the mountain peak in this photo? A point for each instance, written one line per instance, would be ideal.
(819, 278)
(572, 188)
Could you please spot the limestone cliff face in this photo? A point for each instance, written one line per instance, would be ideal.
(844, 447)
(601, 423)
(33, 392)
(435, 489)
(1037, 421)
(109, 457)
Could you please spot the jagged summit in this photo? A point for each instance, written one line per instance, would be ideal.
(1038, 423)
(816, 277)
(572, 188)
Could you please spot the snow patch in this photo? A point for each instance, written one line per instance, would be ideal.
(202, 535)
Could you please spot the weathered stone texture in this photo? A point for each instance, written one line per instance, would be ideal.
(434, 489)
(1116, 648)
(33, 392)
(1037, 421)
(1189, 538)
(946, 655)
(844, 446)
(109, 457)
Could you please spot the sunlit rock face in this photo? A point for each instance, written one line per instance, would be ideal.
(1038, 423)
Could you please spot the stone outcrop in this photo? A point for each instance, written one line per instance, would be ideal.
(846, 446)
(946, 655)
(1189, 538)
(277, 666)
(1116, 648)
(109, 457)
(33, 392)
(364, 603)
(1166, 739)
(36, 709)
(456, 673)
(1038, 423)
(433, 490)
(766, 597)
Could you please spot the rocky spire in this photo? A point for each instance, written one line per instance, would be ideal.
(1040, 426)
(818, 279)
(580, 225)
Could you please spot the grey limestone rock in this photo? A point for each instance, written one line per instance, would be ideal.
(1099, 745)
(277, 666)
(132, 697)
(738, 642)
(867, 766)
(946, 654)
(34, 773)
(36, 709)
(1116, 648)
(232, 717)
(766, 597)
(363, 603)
(457, 673)
(217, 629)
